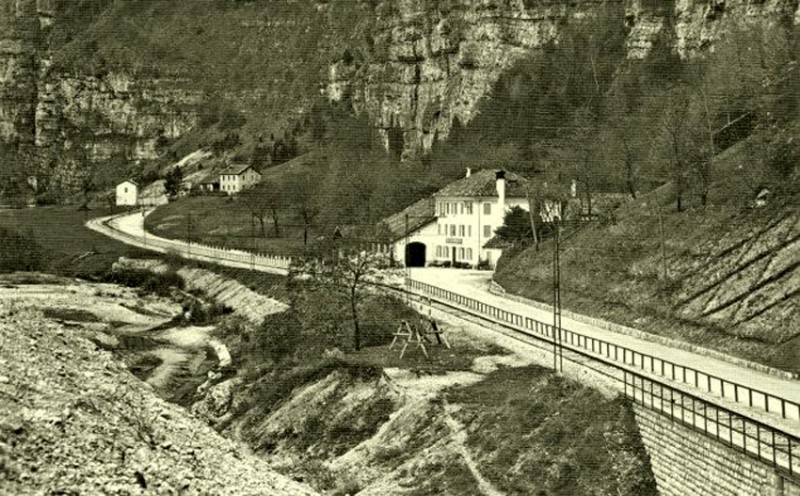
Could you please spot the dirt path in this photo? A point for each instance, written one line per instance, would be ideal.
(459, 437)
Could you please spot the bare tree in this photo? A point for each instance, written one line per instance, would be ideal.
(262, 202)
(630, 166)
(348, 273)
(674, 123)
(302, 193)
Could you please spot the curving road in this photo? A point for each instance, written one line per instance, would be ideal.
(129, 228)
(476, 285)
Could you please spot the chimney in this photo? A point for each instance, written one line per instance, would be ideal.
(469, 172)
(501, 191)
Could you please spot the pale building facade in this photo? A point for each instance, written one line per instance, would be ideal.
(127, 193)
(454, 225)
(470, 210)
(238, 178)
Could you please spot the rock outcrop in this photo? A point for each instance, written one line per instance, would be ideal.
(61, 121)
(112, 115)
(415, 67)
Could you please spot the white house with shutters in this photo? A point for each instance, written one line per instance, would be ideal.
(454, 225)
(237, 178)
(127, 193)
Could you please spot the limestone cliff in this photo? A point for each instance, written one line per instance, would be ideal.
(53, 114)
(19, 48)
(113, 114)
(416, 66)
(432, 62)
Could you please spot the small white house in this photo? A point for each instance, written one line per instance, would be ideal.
(237, 178)
(127, 193)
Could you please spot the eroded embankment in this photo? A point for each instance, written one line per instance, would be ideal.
(245, 302)
(502, 426)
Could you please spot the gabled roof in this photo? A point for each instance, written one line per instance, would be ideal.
(483, 183)
(128, 181)
(419, 214)
(237, 169)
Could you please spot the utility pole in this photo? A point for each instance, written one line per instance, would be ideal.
(405, 259)
(558, 359)
(189, 234)
(144, 229)
(252, 242)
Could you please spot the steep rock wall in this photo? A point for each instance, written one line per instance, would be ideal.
(433, 62)
(19, 48)
(115, 114)
(54, 115)
(422, 66)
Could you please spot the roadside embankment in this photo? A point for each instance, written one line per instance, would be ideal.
(225, 291)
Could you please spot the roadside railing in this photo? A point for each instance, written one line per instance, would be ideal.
(746, 435)
(189, 250)
(756, 439)
(752, 397)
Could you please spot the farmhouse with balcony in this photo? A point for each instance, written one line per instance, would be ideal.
(237, 178)
(453, 226)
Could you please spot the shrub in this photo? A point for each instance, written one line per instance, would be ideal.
(159, 283)
(278, 337)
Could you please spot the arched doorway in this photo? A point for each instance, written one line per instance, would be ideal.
(415, 255)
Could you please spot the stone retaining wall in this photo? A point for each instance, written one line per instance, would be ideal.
(687, 462)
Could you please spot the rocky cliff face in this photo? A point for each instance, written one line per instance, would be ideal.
(433, 64)
(420, 66)
(112, 115)
(19, 65)
(47, 112)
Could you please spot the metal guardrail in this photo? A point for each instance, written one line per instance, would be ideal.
(750, 437)
(710, 383)
(754, 438)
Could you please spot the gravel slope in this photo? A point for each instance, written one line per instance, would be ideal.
(73, 420)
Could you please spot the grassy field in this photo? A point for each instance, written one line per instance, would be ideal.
(227, 222)
(70, 248)
(536, 433)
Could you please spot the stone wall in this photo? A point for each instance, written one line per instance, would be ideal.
(687, 462)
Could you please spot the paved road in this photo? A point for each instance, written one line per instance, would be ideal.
(130, 229)
(475, 284)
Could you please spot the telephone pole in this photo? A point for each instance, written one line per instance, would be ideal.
(558, 359)
(189, 234)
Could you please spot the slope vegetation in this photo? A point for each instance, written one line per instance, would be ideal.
(726, 275)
